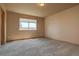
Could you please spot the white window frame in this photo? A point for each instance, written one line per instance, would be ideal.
(29, 21)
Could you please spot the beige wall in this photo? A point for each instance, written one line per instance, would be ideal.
(2, 7)
(13, 31)
(0, 25)
(63, 26)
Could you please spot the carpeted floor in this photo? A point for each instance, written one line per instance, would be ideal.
(39, 47)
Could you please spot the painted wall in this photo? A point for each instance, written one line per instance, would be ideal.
(13, 31)
(64, 25)
(0, 25)
(2, 7)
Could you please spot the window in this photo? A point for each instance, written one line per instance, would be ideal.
(27, 24)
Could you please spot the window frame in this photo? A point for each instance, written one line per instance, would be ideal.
(28, 21)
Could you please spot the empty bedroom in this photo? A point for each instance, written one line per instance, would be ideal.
(39, 29)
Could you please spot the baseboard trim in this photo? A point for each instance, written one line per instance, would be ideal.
(24, 39)
(64, 41)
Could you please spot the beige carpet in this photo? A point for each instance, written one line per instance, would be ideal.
(39, 47)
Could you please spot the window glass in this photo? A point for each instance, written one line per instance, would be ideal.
(28, 24)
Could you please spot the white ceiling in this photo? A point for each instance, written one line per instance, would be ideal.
(36, 10)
